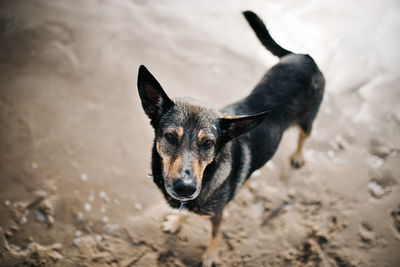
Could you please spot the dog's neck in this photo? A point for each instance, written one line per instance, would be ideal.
(217, 172)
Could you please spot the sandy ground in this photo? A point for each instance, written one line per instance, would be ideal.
(75, 144)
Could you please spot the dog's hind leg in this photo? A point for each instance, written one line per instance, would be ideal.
(210, 256)
(297, 159)
(173, 223)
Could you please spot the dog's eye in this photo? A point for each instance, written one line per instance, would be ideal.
(207, 144)
(170, 138)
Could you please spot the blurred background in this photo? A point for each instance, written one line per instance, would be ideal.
(75, 144)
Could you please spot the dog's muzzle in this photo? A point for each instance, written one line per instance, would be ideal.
(183, 189)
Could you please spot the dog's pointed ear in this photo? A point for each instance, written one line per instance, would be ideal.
(154, 100)
(234, 126)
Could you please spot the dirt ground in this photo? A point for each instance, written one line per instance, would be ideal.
(75, 143)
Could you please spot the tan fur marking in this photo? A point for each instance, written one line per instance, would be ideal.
(198, 169)
(201, 135)
(179, 133)
(297, 159)
(174, 168)
(211, 254)
(171, 168)
(302, 137)
(166, 160)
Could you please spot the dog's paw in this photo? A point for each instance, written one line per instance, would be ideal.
(209, 257)
(172, 223)
(297, 161)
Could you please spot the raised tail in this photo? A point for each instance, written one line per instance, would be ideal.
(263, 35)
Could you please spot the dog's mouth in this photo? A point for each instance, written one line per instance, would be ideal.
(174, 195)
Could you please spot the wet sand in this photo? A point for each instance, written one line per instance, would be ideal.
(75, 143)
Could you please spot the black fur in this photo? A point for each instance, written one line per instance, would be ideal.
(291, 91)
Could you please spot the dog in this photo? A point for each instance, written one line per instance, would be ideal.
(201, 156)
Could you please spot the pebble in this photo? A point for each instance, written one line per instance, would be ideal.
(376, 162)
(138, 206)
(270, 165)
(39, 216)
(376, 189)
(78, 233)
(87, 207)
(34, 165)
(105, 219)
(84, 177)
(104, 196)
(98, 238)
(24, 218)
(80, 216)
(77, 242)
(7, 202)
(91, 198)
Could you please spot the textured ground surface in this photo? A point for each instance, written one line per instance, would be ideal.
(75, 144)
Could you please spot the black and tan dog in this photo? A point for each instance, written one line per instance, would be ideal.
(202, 156)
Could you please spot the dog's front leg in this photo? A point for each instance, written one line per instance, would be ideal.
(173, 223)
(210, 256)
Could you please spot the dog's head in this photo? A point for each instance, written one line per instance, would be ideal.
(187, 136)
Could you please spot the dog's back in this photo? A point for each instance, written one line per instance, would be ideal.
(292, 90)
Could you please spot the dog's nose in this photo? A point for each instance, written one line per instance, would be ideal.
(184, 187)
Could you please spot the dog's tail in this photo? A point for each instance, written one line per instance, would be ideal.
(263, 35)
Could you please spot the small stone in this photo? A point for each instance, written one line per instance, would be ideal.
(34, 165)
(138, 206)
(78, 233)
(7, 202)
(77, 242)
(104, 196)
(91, 198)
(80, 216)
(103, 210)
(376, 162)
(105, 219)
(24, 218)
(270, 165)
(376, 189)
(87, 207)
(98, 238)
(84, 177)
(39, 216)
